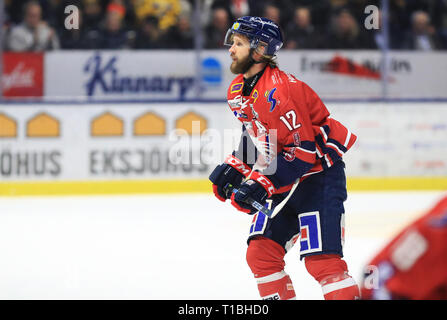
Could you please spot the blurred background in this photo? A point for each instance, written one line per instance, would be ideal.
(113, 113)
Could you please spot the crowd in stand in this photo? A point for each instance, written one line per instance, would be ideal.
(39, 25)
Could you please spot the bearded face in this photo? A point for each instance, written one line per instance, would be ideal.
(240, 54)
(241, 64)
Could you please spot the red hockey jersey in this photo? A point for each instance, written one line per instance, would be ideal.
(286, 119)
(414, 264)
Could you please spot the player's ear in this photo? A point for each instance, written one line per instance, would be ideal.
(259, 52)
(261, 48)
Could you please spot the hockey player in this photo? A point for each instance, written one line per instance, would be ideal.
(297, 167)
(414, 264)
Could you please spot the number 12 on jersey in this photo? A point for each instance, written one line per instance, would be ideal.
(290, 120)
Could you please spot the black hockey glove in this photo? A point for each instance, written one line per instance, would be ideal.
(258, 188)
(232, 172)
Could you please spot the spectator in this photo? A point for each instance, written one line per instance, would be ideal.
(239, 8)
(376, 37)
(273, 13)
(216, 31)
(440, 20)
(92, 14)
(422, 35)
(181, 36)
(320, 10)
(113, 35)
(166, 11)
(300, 33)
(33, 34)
(344, 33)
(149, 36)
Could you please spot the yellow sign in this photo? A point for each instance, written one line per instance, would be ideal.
(107, 125)
(192, 123)
(149, 124)
(43, 126)
(8, 127)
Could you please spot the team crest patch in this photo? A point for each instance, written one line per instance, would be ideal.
(236, 87)
(289, 155)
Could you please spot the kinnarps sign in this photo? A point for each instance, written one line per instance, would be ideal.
(131, 75)
(106, 77)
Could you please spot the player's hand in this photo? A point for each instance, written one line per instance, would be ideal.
(232, 172)
(259, 188)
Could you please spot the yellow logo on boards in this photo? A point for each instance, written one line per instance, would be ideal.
(149, 124)
(43, 126)
(107, 125)
(191, 123)
(8, 127)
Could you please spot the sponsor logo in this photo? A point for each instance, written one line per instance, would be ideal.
(368, 68)
(296, 139)
(236, 88)
(274, 296)
(19, 77)
(105, 77)
(14, 164)
(271, 100)
(211, 72)
(22, 74)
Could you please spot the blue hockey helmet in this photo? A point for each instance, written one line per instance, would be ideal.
(258, 30)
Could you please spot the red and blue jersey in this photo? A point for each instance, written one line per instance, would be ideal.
(413, 265)
(289, 123)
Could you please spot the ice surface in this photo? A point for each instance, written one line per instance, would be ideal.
(173, 246)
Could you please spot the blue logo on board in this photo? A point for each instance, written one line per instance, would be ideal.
(211, 72)
(106, 77)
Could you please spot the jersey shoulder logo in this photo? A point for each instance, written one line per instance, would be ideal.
(270, 99)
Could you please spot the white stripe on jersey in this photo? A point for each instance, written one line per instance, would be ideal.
(348, 137)
(324, 133)
(305, 150)
(339, 151)
(327, 160)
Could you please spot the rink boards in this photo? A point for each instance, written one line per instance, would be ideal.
(59, 149)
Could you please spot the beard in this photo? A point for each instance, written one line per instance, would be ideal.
(241, 65)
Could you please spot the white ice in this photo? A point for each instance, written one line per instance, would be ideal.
(176, 246)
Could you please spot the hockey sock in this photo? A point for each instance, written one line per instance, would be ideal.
(265, 258)
(331, 272)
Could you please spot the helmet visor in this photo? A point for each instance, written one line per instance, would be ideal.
(228, 41)
(229, 37)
